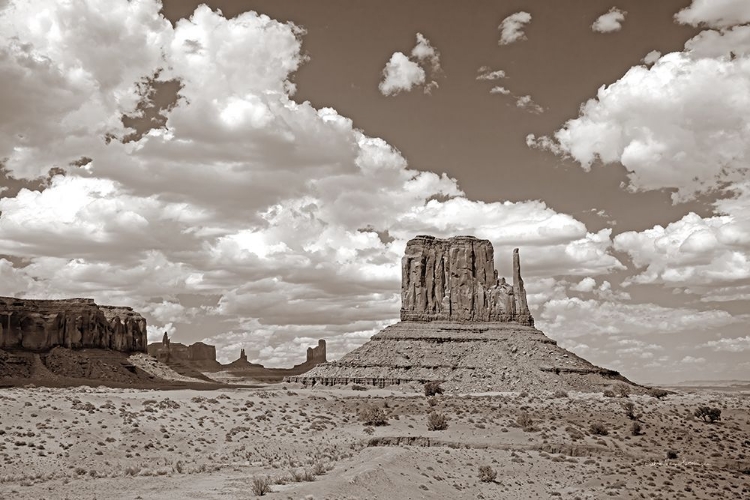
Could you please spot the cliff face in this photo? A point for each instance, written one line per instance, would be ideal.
(39, 325)
(456, 280)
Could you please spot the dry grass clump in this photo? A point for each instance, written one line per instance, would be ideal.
(373, 415)
(261, 485)
(635, 429)
(487, 474)
(437, 422)
(598, 429)
(525, 421)
(629, 408)
(432, 389)
(708, 414)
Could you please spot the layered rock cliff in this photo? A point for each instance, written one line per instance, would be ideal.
(40, 325)
(455, 280)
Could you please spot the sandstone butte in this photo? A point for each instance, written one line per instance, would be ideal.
(465, 327)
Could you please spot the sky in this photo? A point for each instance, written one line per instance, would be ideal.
(247, 173)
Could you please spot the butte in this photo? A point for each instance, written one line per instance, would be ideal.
(463, 326)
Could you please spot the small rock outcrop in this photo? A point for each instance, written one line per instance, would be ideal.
(455, 280)
(40, 325)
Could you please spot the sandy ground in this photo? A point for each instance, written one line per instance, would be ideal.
(102, 443)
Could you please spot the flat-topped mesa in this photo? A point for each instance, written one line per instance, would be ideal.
(455, 280)
(39, 325)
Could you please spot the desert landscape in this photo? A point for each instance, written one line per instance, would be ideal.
(97, 442)
(481, 406)
(374, 249)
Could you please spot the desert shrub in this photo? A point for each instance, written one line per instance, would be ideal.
(608, 394)
(523, 394)
(635, 429)
(708, 414)
(432, 401)
(356, 387)
(629, 408)
(432, 389)
(261, 485)
(319, 469)
(658, 393)
(525, 421)
(436, 422)
(671, 454)
(487, 474)
(560, 394)
(622, 390)
(373, 415)
(598, 429)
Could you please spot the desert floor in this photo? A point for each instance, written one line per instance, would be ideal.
(103, 443)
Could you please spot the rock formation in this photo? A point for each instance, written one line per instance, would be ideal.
(456, 280)
(462, 326)
(316, 355)
(40, 325)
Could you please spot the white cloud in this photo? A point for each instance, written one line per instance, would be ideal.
(740, 344)
(511, 28)
(695, 251)
(682, 124)
(587, 284)
(651, 57)
(486, 73)
(715, 13)
(690, 360)
(402, 74)
(526, 102)
(497, 89)
(609, 22)
(570, 318)
(423, 51)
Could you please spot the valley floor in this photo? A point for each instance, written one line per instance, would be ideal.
(104, 443)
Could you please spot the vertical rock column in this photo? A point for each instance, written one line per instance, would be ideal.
(523, 315)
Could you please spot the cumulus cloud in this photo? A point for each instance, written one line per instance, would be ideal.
(498, 89)
(585, 285)
(610, 21)
(485, 73)
(511, 28)
(283, 222)
(696, 251)
(740, 344)
(402, 73)
(651, 57)
(526, 102)
(683, 124)
(715, 13)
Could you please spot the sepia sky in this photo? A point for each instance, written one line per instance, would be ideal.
(247, 173)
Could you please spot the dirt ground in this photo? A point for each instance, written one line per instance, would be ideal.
(109, 443)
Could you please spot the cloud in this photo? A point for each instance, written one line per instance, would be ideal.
(690, 360)
(683, 124)
(651, 57)
(497, 89)
(512, 27)
(402, 74)
(696, 251)
(715, 13)
(485, 73)
(609, 22)
(526, 102)
(585, 285)
(740, 344)
(423, 51)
